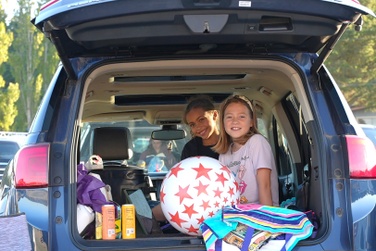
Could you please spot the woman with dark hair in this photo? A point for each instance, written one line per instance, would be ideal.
(157, 157)
(201, 117)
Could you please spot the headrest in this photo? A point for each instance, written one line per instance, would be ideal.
(112, 143)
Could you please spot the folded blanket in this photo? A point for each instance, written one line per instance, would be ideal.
(256, 227)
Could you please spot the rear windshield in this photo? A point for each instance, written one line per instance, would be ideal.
(140, 135)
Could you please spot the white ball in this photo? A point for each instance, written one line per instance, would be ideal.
(195, 189)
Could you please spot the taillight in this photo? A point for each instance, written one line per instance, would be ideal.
(362, 157)
(31, 166)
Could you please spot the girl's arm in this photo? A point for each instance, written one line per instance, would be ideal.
(264, 186)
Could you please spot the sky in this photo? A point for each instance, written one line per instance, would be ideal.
(9, 6)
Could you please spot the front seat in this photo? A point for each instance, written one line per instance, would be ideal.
(112, 143)
(114, 146)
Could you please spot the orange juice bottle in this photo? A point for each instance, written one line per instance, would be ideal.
(108, 222)
(128, 220)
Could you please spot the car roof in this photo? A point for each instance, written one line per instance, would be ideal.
(17, 137)
(169, 27)
(368, 126)
(370, 131)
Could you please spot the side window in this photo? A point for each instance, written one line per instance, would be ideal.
(293, 109)
(292, 147)
(261, 127)
(285, 165)
(85, 142)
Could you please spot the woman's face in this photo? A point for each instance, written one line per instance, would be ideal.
(202, 123)
(237, 120)
(156, 145)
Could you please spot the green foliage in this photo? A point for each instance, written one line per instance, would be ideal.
(5, 41)
(9, 94)
(8, 108)
(32, 61)
(353, 64)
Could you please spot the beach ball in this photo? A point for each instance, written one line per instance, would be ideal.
(195, 189)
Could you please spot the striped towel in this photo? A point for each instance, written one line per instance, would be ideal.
(290, 224)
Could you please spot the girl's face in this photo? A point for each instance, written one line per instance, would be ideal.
(202, 123)
(237, 120)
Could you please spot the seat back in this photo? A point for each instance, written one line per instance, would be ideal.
(114, 146)
(112, 143)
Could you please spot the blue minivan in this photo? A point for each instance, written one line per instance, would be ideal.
(128, 65)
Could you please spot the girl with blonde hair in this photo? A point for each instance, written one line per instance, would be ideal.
(246, 152)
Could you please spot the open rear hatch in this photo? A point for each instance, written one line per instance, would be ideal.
(185, 27)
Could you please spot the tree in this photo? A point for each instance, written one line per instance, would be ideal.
(9, 94)
(31, 61)
(353, 63)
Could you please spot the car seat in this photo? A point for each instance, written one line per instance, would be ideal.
(114, 146)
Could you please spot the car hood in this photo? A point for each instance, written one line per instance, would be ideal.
(182, 27)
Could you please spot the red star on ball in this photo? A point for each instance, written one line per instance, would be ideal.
(183, 193)
(236, 185)
(201, 188)
(192, 229)
(216, 204)
(225, 200)
(176, 218)
(162, 195)
(189, 210)
(205, 204)
(221, 178)
(200, 220)
(231, 191)
(217, 193)
(225, 169)
(175, 170)
(202, 171)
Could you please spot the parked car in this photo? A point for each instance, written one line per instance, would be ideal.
(132, 61)
(10, 143)
(370, 131)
